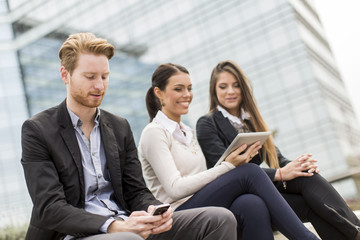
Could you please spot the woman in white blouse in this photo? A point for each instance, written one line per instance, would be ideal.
(175, 168)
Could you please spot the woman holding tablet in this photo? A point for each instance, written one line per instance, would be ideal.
(233, 110)
(175, 169)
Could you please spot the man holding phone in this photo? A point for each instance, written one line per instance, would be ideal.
(82, 170)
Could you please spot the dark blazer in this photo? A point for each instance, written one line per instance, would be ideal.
(53, 170)
(215, 133)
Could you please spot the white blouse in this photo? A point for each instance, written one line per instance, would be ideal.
(181, 132)
(232, 118)
(173, 170)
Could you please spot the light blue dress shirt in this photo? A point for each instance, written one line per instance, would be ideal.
(99, 194)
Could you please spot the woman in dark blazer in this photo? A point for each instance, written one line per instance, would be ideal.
(233, 110)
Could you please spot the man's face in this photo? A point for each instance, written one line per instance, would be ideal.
(88, 83)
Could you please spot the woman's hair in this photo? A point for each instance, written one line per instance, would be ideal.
(160, 79)
(83, 43)
(248, 103)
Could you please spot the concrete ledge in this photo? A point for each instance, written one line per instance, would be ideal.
(279, 236)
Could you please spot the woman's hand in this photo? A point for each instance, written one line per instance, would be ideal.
(308, 162)
(237, 159)
(302, 166)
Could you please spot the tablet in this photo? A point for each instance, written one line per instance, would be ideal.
(241, 138)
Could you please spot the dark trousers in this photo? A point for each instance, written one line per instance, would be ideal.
(314, 199)
(251, 196)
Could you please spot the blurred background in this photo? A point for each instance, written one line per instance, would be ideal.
(280, 44)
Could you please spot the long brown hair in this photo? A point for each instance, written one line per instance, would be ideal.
(248, 103)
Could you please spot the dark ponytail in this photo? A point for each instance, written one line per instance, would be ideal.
(153, 104)
(160, 79)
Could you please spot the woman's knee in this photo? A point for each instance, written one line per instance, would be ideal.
(253, 217)
(312, 183)
(251, 170)
(250, 206)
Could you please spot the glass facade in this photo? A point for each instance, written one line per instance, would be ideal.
(280, 45)
(14, 200)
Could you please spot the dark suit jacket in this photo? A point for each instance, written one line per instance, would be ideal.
(52, 165)
(215, 133)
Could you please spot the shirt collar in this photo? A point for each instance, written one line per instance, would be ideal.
(174, 128)
(166, 122)
(76, 121)
(226, 114)
(169, 124)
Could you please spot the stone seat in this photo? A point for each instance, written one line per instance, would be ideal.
(279, 236)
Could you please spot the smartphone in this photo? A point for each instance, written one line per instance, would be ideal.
(160, 209)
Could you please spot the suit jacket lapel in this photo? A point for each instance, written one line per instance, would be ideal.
(225, 126)
(113, 161)
(68, 134)
(111, 147)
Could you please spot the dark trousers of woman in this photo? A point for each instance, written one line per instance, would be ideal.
(248, 192)
(315, 200)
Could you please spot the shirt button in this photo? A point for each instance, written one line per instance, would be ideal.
(93, 154)
(99, 176)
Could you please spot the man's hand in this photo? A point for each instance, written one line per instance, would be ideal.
(143, 223)
(166, 221)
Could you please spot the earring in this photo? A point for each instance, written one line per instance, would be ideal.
(162, 103)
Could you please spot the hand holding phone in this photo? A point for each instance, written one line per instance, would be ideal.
(160, 209)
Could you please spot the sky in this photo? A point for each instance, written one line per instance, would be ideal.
(341, 21)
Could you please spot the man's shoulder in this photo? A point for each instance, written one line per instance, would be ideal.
(45, 113)
(108, 116)
(48, 115)
(114, 121)
(46, 122)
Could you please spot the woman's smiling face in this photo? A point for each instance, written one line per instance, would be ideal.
(177, 96)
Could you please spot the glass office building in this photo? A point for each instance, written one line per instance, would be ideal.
(14, 199)
(280, 44)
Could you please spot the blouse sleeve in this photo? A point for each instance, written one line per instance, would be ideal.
(155, 147)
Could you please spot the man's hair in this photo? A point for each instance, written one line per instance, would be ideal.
(83, 43)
